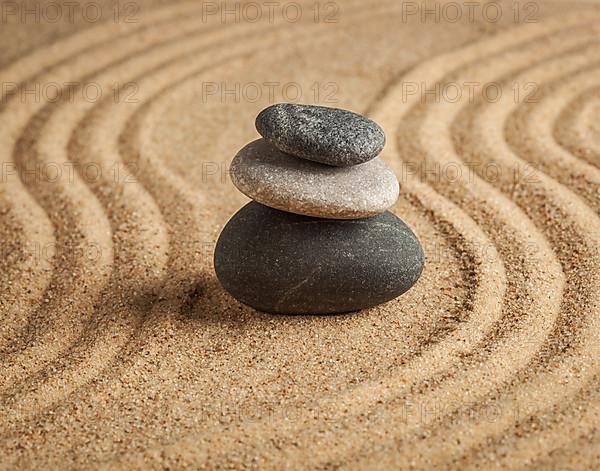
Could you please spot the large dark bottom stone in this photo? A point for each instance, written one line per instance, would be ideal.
(285, 263)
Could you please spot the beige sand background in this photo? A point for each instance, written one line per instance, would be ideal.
(118, 347)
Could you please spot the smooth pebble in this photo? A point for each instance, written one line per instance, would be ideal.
(330, 136)
(281, 181)
(285, 263)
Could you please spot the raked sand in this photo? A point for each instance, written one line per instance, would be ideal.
(119, 348)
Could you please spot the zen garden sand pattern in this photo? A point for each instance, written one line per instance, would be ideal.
(120, 348)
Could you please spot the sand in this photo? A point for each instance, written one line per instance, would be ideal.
(119, 348)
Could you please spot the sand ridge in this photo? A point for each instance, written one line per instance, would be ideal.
(139, 358)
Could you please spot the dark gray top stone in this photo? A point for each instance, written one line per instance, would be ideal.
(330, 136)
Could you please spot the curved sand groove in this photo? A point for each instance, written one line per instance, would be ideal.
(521, 339)
(18, 72)
(576, 129)
(519, 342)
(71, 116)
(34, 272)
(29, 65)
(493, 270)
(486, 125)
(372, 410)
(166, 52)
(160, 83)
(162, 181)
(101, 244)
(68, 118)
(39, 395)
(484, 147)
(435, 126)
(483, 313)
(418, 451)
(138, 235)
(79, 224)
(580, 421)
(23, 282)
(536, 121)
(24, 265)
(493, 117)
(158, 175)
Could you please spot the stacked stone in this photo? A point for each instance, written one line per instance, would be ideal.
(317, 238)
